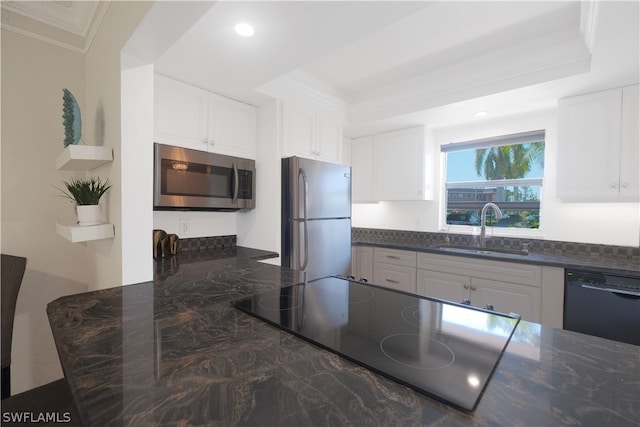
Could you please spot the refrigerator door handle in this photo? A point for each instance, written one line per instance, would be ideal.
(305, 206)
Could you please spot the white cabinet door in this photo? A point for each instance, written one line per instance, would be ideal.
(400, 164)
(395, 276)
(232, 127)
(598, 147)
(364, 263)
(506, 298)
(450, 287)
(630, 148)
(186, 116)
(328, 139)
(362, 176)
(395, 256)
(298, 129)
(311, 133)
(180, 114)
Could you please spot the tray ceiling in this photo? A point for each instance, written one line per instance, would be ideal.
(383, 63)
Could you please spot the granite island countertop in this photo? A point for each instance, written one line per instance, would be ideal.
(175, 352)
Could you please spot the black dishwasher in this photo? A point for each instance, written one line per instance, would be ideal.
(604, 305)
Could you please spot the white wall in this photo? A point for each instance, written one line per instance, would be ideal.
(260, 227)
(103, 124)
(598, 223)
(33, 76)
(137, 171)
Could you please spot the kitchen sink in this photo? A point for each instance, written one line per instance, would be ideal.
(484, 251)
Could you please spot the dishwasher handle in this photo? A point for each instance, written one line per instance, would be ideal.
(619, 292)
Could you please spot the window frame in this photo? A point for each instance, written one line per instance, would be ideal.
(509, 139)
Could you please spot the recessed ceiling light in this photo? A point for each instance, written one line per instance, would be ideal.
(481, 114)
(244, 29)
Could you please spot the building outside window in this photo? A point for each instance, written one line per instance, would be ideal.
(506, 170)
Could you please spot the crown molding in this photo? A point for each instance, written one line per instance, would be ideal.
(298, 85)
(70, 25)
(588, 20)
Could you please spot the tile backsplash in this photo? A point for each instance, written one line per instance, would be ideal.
(551, 247)
(207, 243)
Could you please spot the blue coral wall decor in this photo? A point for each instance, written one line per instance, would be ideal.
(71, 118)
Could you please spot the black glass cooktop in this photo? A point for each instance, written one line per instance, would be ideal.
(445, 350)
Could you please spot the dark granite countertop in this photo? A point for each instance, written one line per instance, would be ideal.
(611, 265)
(174, 352)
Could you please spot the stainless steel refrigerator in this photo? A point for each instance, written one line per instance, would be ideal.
(316, 216)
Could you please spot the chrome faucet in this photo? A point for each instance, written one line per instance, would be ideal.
(483, 220)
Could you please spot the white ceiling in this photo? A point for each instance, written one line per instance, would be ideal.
(389, 64)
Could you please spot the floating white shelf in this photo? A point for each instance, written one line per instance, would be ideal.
(77, 157)
(84, 234)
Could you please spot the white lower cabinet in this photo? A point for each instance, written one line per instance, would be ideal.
(494, 285)
(506, 298)
(363, 263)
(482, 293)
(452, 287)
(395, 269)
(506, 287)
(395, 276)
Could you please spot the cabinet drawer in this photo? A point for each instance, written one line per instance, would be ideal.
(395, 257)
(510, 272)
(395, 277)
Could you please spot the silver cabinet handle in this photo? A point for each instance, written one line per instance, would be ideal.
(473, 287)
(393, 257)
(305, 206)
(392, 281)
(466, 286)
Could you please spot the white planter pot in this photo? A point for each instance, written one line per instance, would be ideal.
(88, 215)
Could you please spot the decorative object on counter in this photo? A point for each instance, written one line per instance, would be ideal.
(85, 193)
(164, 244)
(160, 241)
(71, 118)
(174, 243)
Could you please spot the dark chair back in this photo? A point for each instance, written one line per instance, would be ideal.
(12, 271)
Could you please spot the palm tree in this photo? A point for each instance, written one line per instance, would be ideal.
(508, 161)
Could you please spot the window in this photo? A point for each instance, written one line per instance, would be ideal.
(506, 170)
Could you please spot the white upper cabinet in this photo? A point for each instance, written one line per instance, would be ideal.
(598, 147)
(180, 114)
(311, 133)
(363, 184)
(190, 117)
(630, 144)
(400, 165)
(232, 127)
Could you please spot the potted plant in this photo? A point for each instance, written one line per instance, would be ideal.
(86, 194)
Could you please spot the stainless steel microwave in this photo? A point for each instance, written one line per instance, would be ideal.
(185, 179)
